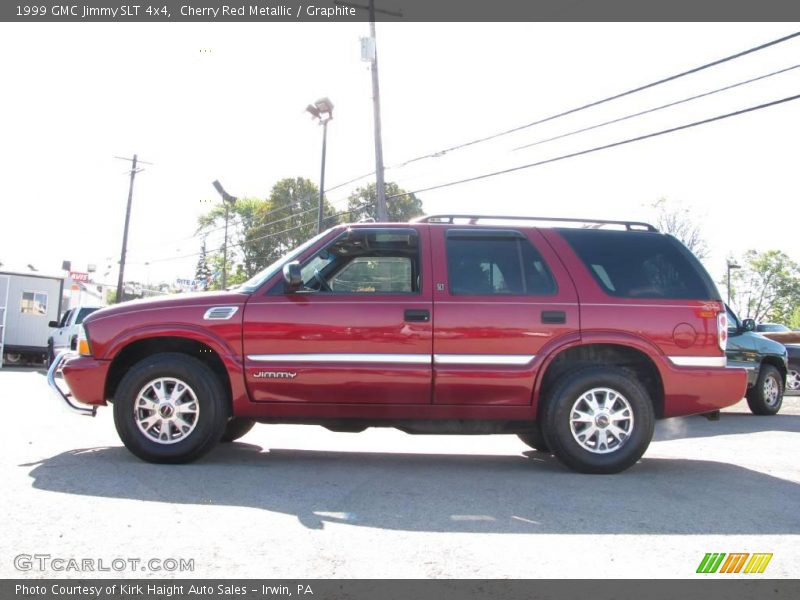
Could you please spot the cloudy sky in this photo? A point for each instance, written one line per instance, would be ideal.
(226, 101)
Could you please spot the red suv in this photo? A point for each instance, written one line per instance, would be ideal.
(574, 338)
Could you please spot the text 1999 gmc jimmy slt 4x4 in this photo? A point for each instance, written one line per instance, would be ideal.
(574, 338)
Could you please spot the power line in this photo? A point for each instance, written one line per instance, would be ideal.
(586, 106)
(598, 148)
(657, 108)
(269, 235)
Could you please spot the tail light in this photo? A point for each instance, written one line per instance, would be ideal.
(722, 330)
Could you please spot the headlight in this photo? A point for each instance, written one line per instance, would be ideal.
(83, 342)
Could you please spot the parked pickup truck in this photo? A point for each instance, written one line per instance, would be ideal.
(65, 336)
(576, 339)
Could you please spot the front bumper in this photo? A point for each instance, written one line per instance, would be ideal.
(66, 397)
(85, 378)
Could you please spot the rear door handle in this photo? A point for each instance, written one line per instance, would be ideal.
(552, 317)
(417, 314)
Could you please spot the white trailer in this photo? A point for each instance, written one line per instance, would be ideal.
(28, 302)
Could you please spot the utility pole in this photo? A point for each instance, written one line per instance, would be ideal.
(134, 170)
(380, 188)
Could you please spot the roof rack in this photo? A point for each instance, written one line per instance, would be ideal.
(473, 220)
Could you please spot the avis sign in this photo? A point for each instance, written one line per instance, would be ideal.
(78, 276)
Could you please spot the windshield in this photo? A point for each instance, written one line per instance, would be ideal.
(252, 284)
(83, 313)
(772, 327)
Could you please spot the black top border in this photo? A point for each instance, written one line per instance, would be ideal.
(403, 11)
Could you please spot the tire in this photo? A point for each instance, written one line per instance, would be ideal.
(793, 379)
(766, 396)
(170, 432)
(13, 358)
(534, 439)
(51, 354)
(565, 432)
(237, 428)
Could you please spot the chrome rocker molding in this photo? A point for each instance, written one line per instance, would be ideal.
(483, 359)
(51, 380)
(408, 359)
(698, 361)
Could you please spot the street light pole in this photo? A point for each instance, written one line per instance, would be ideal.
(225, 251)
(228, 200)
(731, 265)
(322, 110)
(321, 211)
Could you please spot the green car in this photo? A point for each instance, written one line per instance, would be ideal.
(765, 360)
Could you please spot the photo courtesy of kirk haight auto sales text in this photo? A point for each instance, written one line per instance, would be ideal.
(164, 591)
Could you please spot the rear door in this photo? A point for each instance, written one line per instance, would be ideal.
(358, 331)
(501, 299)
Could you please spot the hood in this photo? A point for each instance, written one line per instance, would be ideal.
(171, 301)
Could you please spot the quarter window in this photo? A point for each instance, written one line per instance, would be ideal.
(634, 264)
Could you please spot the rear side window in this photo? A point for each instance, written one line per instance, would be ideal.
(487, 263)
(632, 264)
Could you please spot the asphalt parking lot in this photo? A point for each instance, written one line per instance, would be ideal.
(303, 502)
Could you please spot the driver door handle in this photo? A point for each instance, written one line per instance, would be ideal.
(417, 314)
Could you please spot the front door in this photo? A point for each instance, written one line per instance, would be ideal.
(741, 349)
(358, 329)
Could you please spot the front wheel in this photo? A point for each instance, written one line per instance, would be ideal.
(793, 380)
(237, 428)
(766, 396)
(598, 420)
(170, 408)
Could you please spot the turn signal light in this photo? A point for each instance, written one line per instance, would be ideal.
(83, 343)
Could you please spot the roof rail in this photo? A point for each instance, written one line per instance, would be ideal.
(473, 220)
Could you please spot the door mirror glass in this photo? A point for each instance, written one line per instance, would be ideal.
(749, 325)
(292, 276)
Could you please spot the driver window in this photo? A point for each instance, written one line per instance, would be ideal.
(365, 261)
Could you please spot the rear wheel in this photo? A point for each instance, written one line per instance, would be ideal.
(535, 439)
(13, 358)
(766, 396)
(170, 408)
(237, 428)
(598, 420)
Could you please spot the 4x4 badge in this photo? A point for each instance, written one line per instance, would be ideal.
(274, 375)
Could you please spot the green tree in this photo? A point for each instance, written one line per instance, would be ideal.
(682, 223)
(767, 287)
(202, 273)
(261, 231)
(402, 207)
